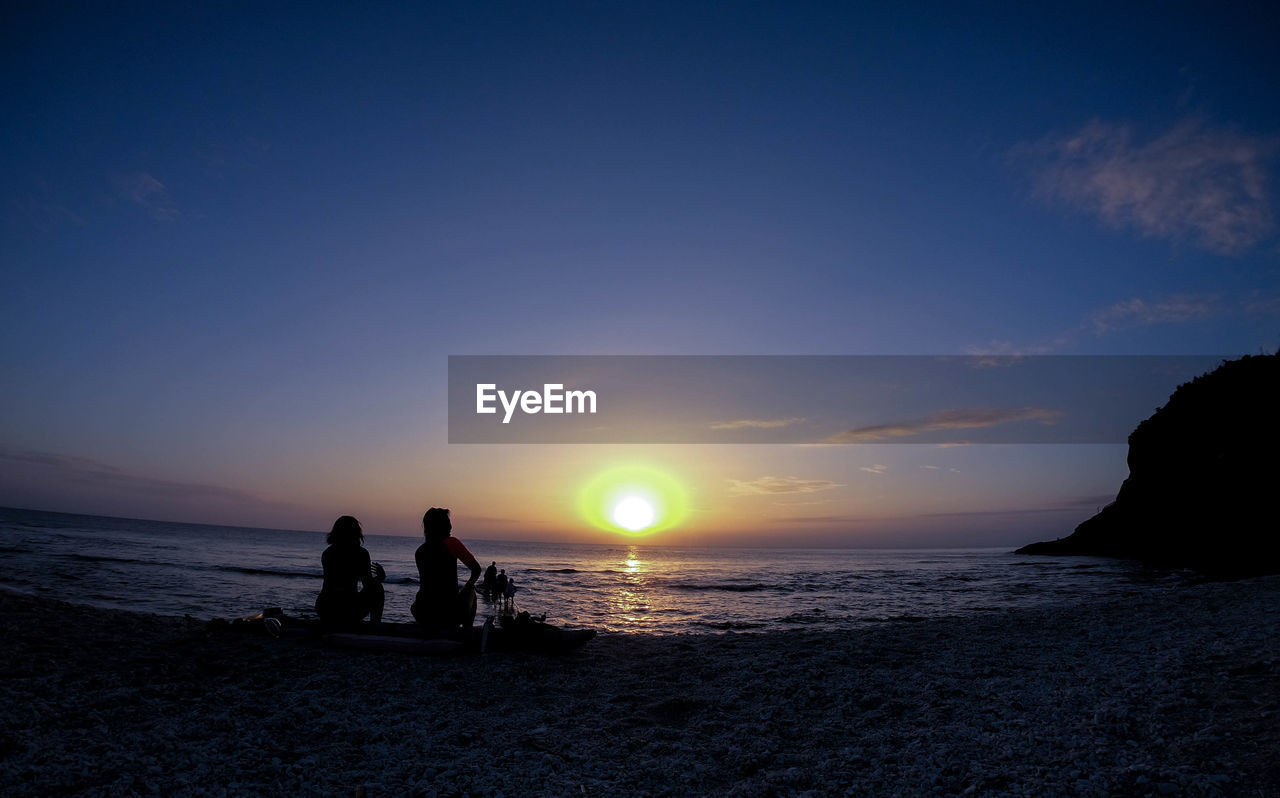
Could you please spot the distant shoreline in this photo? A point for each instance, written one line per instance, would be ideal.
(1106, 696)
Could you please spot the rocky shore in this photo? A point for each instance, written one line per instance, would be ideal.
(1201, 487)
(1170, 691)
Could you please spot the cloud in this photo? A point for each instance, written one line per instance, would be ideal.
(757, 423)
(1208, 184)
(1096, 501)
(1073, 504)
(992, 360)
(963, 418)
(86, 472)
(1126, 314)
(148, 193)
(825, 520)
(490, 520)
(998, 353)
(44, 215)
(1260, 304)
(773, 485)
(997, 513)
(876, 469)
(1139, 312)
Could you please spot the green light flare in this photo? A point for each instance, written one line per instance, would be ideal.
(604, 491)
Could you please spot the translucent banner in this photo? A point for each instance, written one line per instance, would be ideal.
(817, 399)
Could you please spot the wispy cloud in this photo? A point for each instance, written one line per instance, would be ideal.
(1074, 504)
(69, 469)
(1002, 352)
(961, 418)
(44, 215)
(148, 193)
(1143, 313)
(1193, 181)
(1261, 304)
(877, 469)
(757, 423)
(491, 520)
(825, 520)
(1096, 501)
(1122, 315)
(770, 485)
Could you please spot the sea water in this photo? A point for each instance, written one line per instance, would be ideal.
(219, 571)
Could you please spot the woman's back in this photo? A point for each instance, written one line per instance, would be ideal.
(437, 568)
(345, 566)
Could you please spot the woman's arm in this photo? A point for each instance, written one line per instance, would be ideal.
(372, 573)
(475, 574)
(460, 551)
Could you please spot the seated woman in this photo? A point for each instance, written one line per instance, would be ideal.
(346, 566)
(441, 606)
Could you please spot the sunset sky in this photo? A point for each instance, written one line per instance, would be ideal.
(241, 240)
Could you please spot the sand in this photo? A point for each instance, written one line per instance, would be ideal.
(1167, 692)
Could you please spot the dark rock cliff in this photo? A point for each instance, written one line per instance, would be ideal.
(1202, 489)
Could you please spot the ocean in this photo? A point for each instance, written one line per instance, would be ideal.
(217, 571)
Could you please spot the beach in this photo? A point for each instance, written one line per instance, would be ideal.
(1172, 694)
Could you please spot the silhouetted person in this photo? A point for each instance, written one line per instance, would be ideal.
(490, 579)
(509, 595)
(346, 566)
(500, 583)
(441, 606)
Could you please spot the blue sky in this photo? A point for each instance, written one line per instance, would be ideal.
(239, 242)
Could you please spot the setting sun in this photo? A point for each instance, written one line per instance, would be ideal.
(633, 499)
(633, 513)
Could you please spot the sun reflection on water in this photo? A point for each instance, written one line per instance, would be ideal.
(629, 604)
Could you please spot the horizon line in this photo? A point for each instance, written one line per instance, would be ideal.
(620, 542)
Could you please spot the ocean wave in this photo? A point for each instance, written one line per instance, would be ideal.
(232, 571)
(806, 616)
(106, 558)
(248, 569)
(751, 587)
(728, 625)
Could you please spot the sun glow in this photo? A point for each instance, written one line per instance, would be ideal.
(633, 500)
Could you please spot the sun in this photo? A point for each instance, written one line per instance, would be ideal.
(633, 513)
(633, 499)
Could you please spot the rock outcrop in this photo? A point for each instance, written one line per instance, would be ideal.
(1202, 486)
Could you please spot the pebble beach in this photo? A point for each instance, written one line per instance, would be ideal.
(1176, 692)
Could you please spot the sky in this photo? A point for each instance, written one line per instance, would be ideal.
(240, 241)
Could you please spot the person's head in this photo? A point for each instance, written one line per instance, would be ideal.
(436, 524)
(346, 530)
